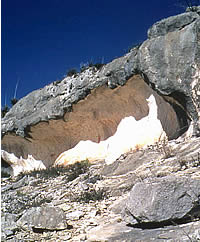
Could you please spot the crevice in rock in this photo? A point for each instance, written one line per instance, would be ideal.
(146, 79)
(43, 230)
(157, 225)
(40, 230)
(27, 132)
(178, 101)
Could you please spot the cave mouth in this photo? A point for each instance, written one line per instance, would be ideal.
(178, 101)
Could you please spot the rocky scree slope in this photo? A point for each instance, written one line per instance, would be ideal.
(98, 202)
(90, 105)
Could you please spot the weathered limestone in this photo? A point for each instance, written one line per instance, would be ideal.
(172, 24)
(100, 220)
(95, 118)
(19, 165)
(44, 218)
(170, 60)
(91, 105)
(165, 199)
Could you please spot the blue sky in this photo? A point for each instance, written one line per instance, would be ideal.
(42, 39)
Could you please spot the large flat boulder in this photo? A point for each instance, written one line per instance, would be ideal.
(162, 200)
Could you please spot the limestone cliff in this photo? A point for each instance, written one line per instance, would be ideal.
(90, 106)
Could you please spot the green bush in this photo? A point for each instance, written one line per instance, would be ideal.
(56, 82)
(71, 171)
(4, 110)
(13, 101)
(92, 195)
(135, 45)
(72, 72)
(77, 169)
(98, 66)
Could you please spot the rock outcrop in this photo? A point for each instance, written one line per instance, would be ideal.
(170, 60)
(163, 200)
(95, 118)
(152, 193)
(91, 105)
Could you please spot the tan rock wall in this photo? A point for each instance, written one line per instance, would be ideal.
(95, 118)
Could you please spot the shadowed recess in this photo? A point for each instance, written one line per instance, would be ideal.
(95, 118)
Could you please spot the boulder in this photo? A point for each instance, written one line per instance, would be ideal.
(43, 218)
(8, 225)
(172, 24)
(160, 200)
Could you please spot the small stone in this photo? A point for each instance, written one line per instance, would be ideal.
(93, 213)
(93, 222)
(66, 237)
(76, 215)
(65, 207)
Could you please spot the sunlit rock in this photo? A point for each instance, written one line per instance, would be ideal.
(84, 150)
(20, 165)
(130, 135)
(94, 118)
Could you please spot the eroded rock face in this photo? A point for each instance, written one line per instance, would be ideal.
(172, 24)
(130, 136)
(95, 118)
(170, 59)
(91, 105)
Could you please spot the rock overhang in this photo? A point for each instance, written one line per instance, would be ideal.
(95, 118)
(55, 103)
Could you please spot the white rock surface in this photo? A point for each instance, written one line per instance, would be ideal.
(19, 165)
(130, 135)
